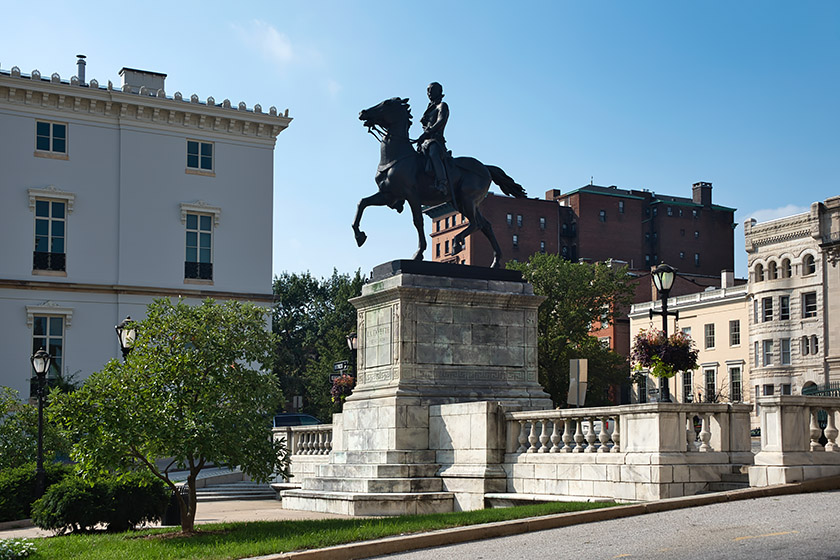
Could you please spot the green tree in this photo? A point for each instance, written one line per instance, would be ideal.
(577, 296)
(19, 432)
(312, 319)
(197, 387)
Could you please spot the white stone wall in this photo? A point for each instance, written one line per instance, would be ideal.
(125, 172)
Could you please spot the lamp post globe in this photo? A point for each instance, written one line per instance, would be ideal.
(127, 334)
(41, 364)
(353, 345)
(663, 277)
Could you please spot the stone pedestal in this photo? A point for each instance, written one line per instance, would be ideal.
(428, 334)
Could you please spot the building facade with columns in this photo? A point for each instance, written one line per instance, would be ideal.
(114, 195)
(794, 300)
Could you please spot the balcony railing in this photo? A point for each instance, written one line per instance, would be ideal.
(198, 271)
(49, 261)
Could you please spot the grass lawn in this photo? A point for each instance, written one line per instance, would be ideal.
(230, 541)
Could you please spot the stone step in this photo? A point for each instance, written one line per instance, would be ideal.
(736, 478)
(366, 470)
(373, 485)
(235, 491)
(402, 457)
(360, 503)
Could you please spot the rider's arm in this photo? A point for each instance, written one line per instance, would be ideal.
(442, 115)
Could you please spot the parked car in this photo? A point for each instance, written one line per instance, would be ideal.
(294, 419)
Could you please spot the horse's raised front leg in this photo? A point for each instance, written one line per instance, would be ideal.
(417, 216)
(378, 199)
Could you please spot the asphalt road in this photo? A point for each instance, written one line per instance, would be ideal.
(784, 527)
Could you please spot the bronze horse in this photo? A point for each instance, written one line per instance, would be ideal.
(401, 177)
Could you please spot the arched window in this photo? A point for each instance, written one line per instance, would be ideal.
(809, 265)
(759, 273)
(786, 268)
(772, 272)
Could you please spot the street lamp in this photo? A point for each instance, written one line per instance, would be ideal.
(127, 334)
(353, 345)
(663, 278)
(41, 364)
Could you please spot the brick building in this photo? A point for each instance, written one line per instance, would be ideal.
(595, 223)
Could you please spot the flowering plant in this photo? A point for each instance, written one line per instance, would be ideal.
(342, 387)
(13, 549)
(664, 357)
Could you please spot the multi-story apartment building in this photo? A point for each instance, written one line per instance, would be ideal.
(794, 299)
(596, 223)
(717, 321)
(111, 196)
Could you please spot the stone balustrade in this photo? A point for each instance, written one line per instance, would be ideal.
(311, 440)
(308, 446)
(798, 439)
(632, 452)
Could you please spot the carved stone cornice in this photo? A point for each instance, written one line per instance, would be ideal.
(778, 231)
(200, 207)
(53, 193)
(152, 107)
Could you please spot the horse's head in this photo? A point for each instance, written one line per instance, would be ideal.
(387, 114)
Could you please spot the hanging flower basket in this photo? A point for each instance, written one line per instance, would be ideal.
(342, 387)
(663, 357)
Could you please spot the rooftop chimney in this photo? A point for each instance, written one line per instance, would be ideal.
(139, 78)
(727, 278)
(702, 193)
(80, 65)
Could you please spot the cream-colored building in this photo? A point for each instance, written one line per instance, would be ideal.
(718, 322)
(794, 300)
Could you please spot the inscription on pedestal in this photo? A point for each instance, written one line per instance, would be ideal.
(378, 337)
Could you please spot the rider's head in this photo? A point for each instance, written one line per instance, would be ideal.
(435, 91)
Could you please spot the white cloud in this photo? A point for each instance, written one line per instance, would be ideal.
(767, 214)
(266, 39)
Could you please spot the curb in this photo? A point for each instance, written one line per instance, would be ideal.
(405, 543)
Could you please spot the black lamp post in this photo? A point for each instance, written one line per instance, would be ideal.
(663, 278)
(41, 364)
(127, 334)
(352, 343)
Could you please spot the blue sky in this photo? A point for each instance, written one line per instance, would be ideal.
(640, 94)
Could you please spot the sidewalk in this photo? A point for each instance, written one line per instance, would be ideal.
(213, 512)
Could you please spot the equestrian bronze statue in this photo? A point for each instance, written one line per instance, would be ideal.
(428, 176)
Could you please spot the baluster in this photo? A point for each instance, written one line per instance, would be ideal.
(311, 443)
(816, 431)
(532, 437)
(689, 433)
(616, 436)
(591, 438)
(322, 443)
(831, 431)
(705, 433)
(578, 437)
(544, 436)
(567, 436)
(522, 437)
(307, 442)
(329, 441)
(604, 436)
(294, 443)
(555, 435)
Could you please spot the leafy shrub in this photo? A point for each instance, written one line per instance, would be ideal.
(17, 488)
(120, 503)
(15, 549)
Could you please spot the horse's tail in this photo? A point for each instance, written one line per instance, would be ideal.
(508, 185)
